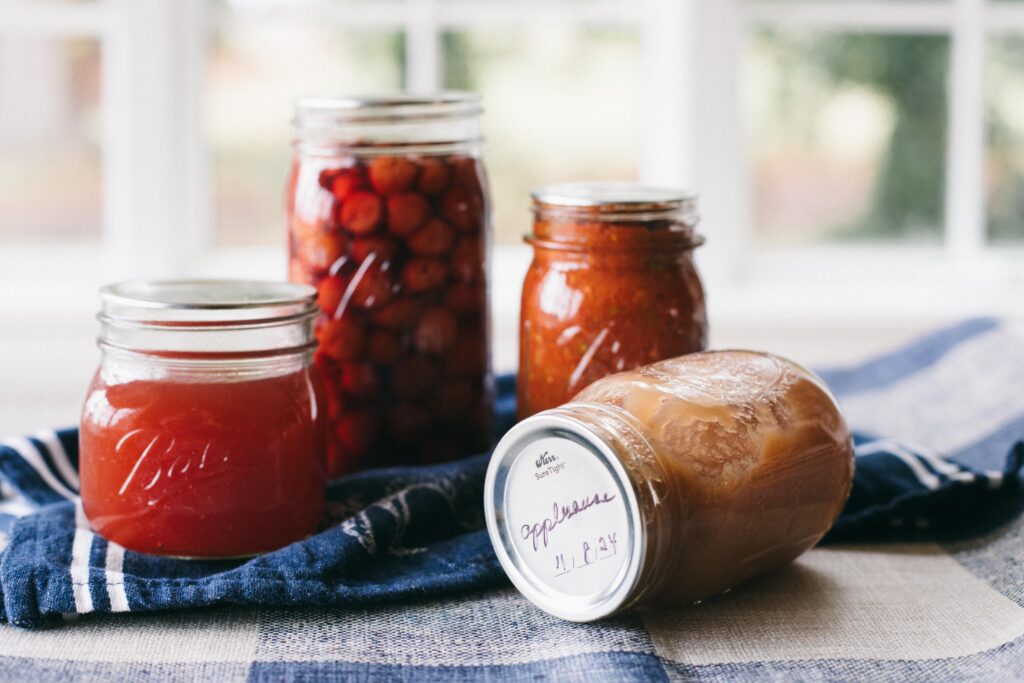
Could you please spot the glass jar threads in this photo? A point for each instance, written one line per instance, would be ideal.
(668, 484)
(203, 433)
(612, 286)
(388, 217)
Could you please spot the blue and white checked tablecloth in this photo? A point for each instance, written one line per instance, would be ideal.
(938, 594)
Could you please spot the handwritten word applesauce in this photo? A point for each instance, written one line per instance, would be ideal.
(568, 516)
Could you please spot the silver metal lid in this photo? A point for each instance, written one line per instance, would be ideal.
(185, 301)
(387, 107)
(208, 316)
(612, 196)
(438, 123)
(564, 519)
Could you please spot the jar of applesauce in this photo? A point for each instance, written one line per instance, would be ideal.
(668, 484)
(612, 287)
(388, 216)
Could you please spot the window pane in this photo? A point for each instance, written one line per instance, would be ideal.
(1005, 169)
(256, 69)
(560, 104)
(849, 136)
(50, 172)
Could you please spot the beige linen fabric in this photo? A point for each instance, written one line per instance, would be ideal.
(213, 635)
(907, 602)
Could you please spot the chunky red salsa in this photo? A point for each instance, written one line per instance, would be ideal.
(607, 291)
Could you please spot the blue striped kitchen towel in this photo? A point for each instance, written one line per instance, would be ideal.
(405, 533)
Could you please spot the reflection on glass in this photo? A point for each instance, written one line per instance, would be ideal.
(849, 136)
(1005, 168)
(255, 71)
(50, 173)
(561, 103)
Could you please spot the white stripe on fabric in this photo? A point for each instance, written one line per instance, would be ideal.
(995, 479)
(59, 455)
(30, 454)
(80, 549)
(946, 468)
(920, 471)
(915, 459)
(16, 507)
(873, 447)
(953, 404)
(115, 578)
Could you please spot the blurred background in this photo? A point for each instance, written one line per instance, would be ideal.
(860, 163)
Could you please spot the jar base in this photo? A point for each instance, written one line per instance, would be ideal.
(203, 558)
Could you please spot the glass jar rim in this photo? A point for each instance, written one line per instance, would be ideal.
(387, 107)
(437, 123)
(208, 318)
(612, 197)
(185, 302)
(643, 218)
(673, 243)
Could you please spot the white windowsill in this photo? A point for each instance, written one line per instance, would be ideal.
(821, 306)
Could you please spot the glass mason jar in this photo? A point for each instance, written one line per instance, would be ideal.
(668, 484)
(388, 216)
(612, 287)
(203, 433)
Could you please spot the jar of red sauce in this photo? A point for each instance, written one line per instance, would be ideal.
(388, 217)
(203, 433)
(612, 287)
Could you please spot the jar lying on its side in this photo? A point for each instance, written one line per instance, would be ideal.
(668, 484)
(612, 286)
(203, 434)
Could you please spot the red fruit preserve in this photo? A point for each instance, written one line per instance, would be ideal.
(612, 287)
(388, 218)
(204, 431)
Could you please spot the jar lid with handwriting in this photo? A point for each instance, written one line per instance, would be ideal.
(564, 518)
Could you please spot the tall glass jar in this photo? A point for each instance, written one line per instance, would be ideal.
(388, 216)
(203, 432)
(612, 287)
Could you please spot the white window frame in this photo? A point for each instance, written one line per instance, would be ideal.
(157, 201)
(965, 274)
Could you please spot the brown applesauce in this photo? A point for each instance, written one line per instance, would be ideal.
(612, 287)
(668, 484)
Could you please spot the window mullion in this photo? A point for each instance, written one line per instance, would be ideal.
(156, 189)
(965, 159)
(467, 13)
(422, 47)
(878, 16)
(723, 181)
(667, 156)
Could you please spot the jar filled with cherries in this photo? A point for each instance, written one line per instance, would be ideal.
(388, 216)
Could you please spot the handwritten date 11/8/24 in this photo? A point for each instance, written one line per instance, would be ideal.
(602, 548)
